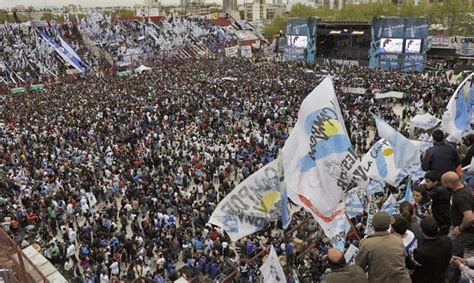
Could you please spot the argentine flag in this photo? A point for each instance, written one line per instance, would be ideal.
(457, 117)
(405, 152)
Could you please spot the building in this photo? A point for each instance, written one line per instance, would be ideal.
(255, 12)
(229, 5)
(152, 3)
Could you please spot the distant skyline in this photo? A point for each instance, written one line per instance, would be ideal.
(84, 3)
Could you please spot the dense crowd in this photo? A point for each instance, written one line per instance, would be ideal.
(116, 178)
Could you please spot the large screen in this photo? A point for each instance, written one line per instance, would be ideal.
(412, 46)
(297, 41)
(391, 45)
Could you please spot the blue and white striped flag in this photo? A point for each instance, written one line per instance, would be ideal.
(408, 193)
(457, 118)
(354, 205)
(390, 205)
(405, 152)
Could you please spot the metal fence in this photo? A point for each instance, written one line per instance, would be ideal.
(15, 265)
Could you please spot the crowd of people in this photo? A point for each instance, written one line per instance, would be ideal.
(116, 178)
(144, 40)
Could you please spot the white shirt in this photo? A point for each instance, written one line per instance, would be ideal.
(104, 278)
(114, 268)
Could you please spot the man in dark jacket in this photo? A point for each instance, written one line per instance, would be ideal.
(441, 157)
(341, 272)
(440, 197)
(430, 260)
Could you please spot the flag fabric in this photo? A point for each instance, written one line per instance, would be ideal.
(390, 205)
(457, 117)
(350, 254)
(354, 205)
(317, 156)
(380, 162)
(285, 215)
(371, 210)
(335, 226)
(375, 186)
(405, 152)
(271, 269)
(408, 192)
(252, 205)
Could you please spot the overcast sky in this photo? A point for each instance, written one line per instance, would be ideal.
(86, 3)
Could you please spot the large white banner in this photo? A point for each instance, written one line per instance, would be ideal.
(318, 159)
(271, 269)
(251, 205)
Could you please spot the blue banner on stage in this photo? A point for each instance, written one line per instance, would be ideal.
(301, 40)
(399, 43)
(389, 61)
(414, 62)
(416, 28)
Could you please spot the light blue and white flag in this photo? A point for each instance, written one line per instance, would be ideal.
(375, 186)
(317, 157)
(252, 205)
(70, 50)
(457, 117)
(405, 152)
(271, 269)
(65, 55)
(379, 162)
(354, 205)
(408, 192)
(390, 205)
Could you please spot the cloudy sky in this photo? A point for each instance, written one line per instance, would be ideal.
(60, 3)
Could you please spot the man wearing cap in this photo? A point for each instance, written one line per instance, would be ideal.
(383, 254)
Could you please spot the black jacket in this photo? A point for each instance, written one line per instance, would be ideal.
(441, 157)
(430, 260)
(440, 205)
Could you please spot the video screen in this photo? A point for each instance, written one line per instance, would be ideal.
(297, 41)
(412, 46)
(391, 45)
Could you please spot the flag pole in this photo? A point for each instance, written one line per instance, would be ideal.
(352, 225)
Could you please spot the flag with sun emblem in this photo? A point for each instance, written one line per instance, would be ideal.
(457, 118)
(253, 204)
(380, 164)
(319, 162)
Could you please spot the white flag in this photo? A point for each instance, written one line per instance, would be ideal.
(271, 269)
(318, 159)
(350, 254)
(354, 205)
(405, 152)
(252, 205)
(457, 118)
(379, 162)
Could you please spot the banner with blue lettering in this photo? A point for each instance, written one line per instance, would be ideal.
(389, 61)
(64, 53)
(311, 49)
(252, 205)
(297, 36)
(414, 62)
(393, 27)
(416, 28)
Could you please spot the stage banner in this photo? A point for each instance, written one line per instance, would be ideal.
(414, 62)
(393, 27)
(297, 27)
(464, 45)
(246, 51)
(416, 28)
(295, 54)
(389, 61)
(311, 47)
